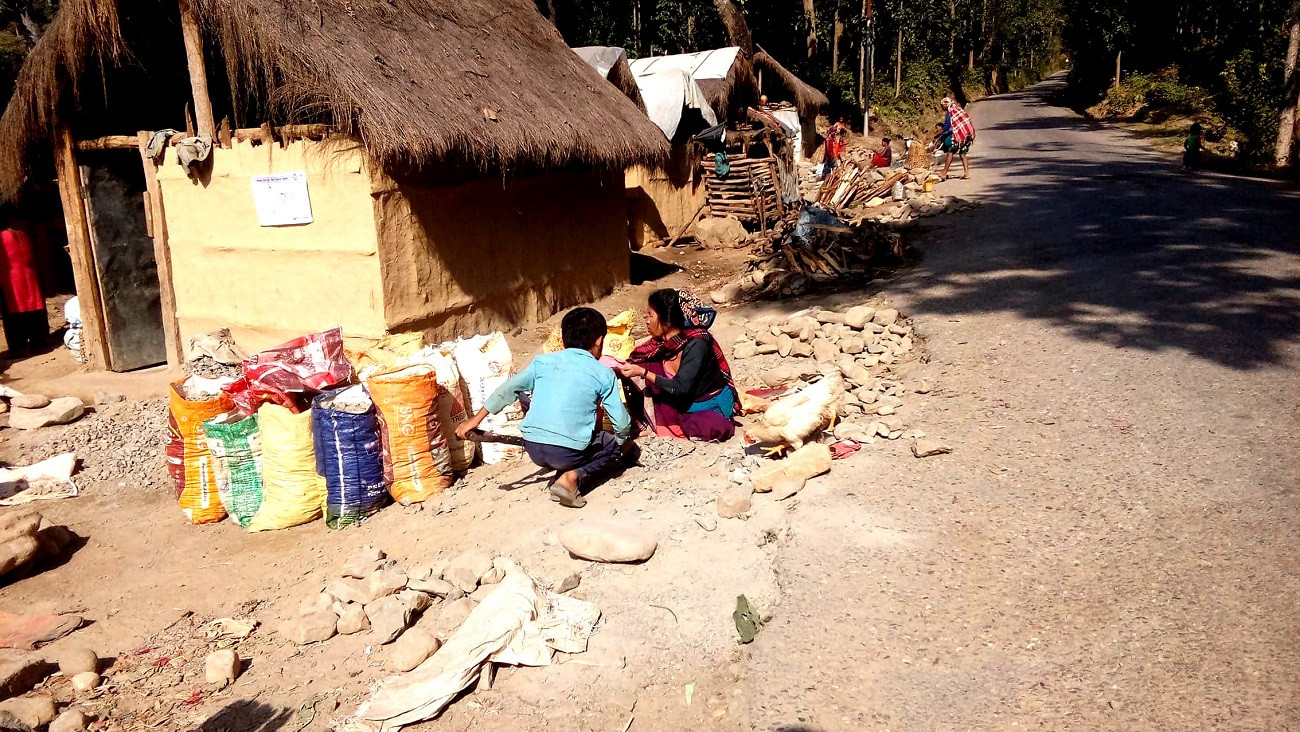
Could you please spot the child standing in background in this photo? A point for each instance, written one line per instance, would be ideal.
(1192, 149)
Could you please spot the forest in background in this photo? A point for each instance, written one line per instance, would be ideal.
(1228, 63)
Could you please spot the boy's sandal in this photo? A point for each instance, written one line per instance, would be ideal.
(565, 498)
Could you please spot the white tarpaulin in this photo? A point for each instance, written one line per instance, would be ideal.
(515, 624)
(714, 64)
(669, 92)
(790, 118)
(601, 58)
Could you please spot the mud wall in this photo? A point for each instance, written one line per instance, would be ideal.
(489, 254)
(661, 202)
(270, 284)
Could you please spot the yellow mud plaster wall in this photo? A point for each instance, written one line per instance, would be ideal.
(491, 254)
(270, 284)
(661, 202)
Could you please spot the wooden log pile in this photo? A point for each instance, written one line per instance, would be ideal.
(749, 192)
(851, 181)
(782, 264)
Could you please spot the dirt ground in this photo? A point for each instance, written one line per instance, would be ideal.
(1110, 545)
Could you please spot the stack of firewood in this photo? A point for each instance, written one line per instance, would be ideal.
(851, 181)
(749, 191)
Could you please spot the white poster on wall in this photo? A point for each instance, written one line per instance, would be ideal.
(281, 199)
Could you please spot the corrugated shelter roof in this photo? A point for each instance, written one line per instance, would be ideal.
(411, 78)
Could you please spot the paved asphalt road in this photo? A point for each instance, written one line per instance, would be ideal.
(1113, 542)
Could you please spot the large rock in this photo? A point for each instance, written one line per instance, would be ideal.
(30, 401)
(412, 649)
(825, 351)
(438, 587)
(352, 619)
(76, 660)
(926, 447)
(379, 584)
(608, 540)
(32, 711)
(728, 293)
(363, 562)
(886, 317)
(801, 349)
(852, 346)
(221, 667)
(718, 232)
(20, 672)
(734, 501)
(466, 569)
(391, 615)
(310, 627)
(787, 477)
(72, 720)
(784, 344)
(858, 316)
(451, 616)
(60, 411)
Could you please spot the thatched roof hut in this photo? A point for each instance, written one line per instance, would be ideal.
(611, 63)
(808, 100)
(485, 83)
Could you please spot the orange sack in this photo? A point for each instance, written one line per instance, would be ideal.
(417, 462)
(188, 458)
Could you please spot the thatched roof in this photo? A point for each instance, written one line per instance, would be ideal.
(809, 101)
(485, 83)
(611, 62)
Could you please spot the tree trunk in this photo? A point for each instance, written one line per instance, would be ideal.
(810, 15)
(1119, 57)
(862, 62)
(898, 67)
(835, 40)
(737, 29)
(970, 62)
(1291, 94)
(952, 29)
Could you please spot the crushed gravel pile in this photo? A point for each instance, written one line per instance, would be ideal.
(117, 443)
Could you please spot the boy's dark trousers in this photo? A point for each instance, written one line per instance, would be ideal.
(601, 458)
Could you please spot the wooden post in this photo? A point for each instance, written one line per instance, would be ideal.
(1119, 57)
(162, 255)
(94, 335)
(898, 68)
(207, 125)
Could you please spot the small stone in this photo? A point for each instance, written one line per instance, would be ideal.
(465, 570)
(897, 329)
(312, 627)
(77, 660)
(922, 388)
(905, 345)
(824, 351)
(108, 397)
(30, 401)
(858, 316)
(72, 720)
(352, 619)
(492, 576)
(852, 431)
(32, 711)
(877, 348)
(221, 667)
(868, 361)
(852, 346)
(808, 331)
(926, 447)
(786, 477)
(706, 522)
(826, 316)
(886, 409)
(801, 349)
(885, 317)
(777, 377)
(784, 344)
(765, 338)
(764, 349)
(411, 650)
(438, 587)
(349, 590)
(86, 681)
(744, 350)
(363, 562)
(729, 292)
(893, 424)
(422, 572)
(790, 328)
(858, 375)
(608, 540)
(568, 583)
(734, 501)
(866, 395)
(391, 615)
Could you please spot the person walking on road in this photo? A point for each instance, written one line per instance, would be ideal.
(956, 137)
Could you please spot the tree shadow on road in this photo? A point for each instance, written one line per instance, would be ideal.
(1106, 239)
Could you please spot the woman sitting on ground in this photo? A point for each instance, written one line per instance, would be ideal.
(682, 371)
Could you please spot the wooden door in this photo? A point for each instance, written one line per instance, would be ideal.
(114, 188)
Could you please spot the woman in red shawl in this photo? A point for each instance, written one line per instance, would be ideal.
(26, 324)
(684, 372)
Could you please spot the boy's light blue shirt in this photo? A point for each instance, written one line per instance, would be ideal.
(566, 386)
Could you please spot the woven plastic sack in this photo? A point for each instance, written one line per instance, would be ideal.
(292, 492)
(349, 455)
(188, 460)
(417, 462)
(236, 446)
(452, 403)
(485, 363)
(618, 337)
(291, 373)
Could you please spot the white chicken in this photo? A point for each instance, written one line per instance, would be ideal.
(792, 420)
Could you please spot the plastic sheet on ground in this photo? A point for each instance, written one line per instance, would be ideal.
(51, 478)
(513, 625)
